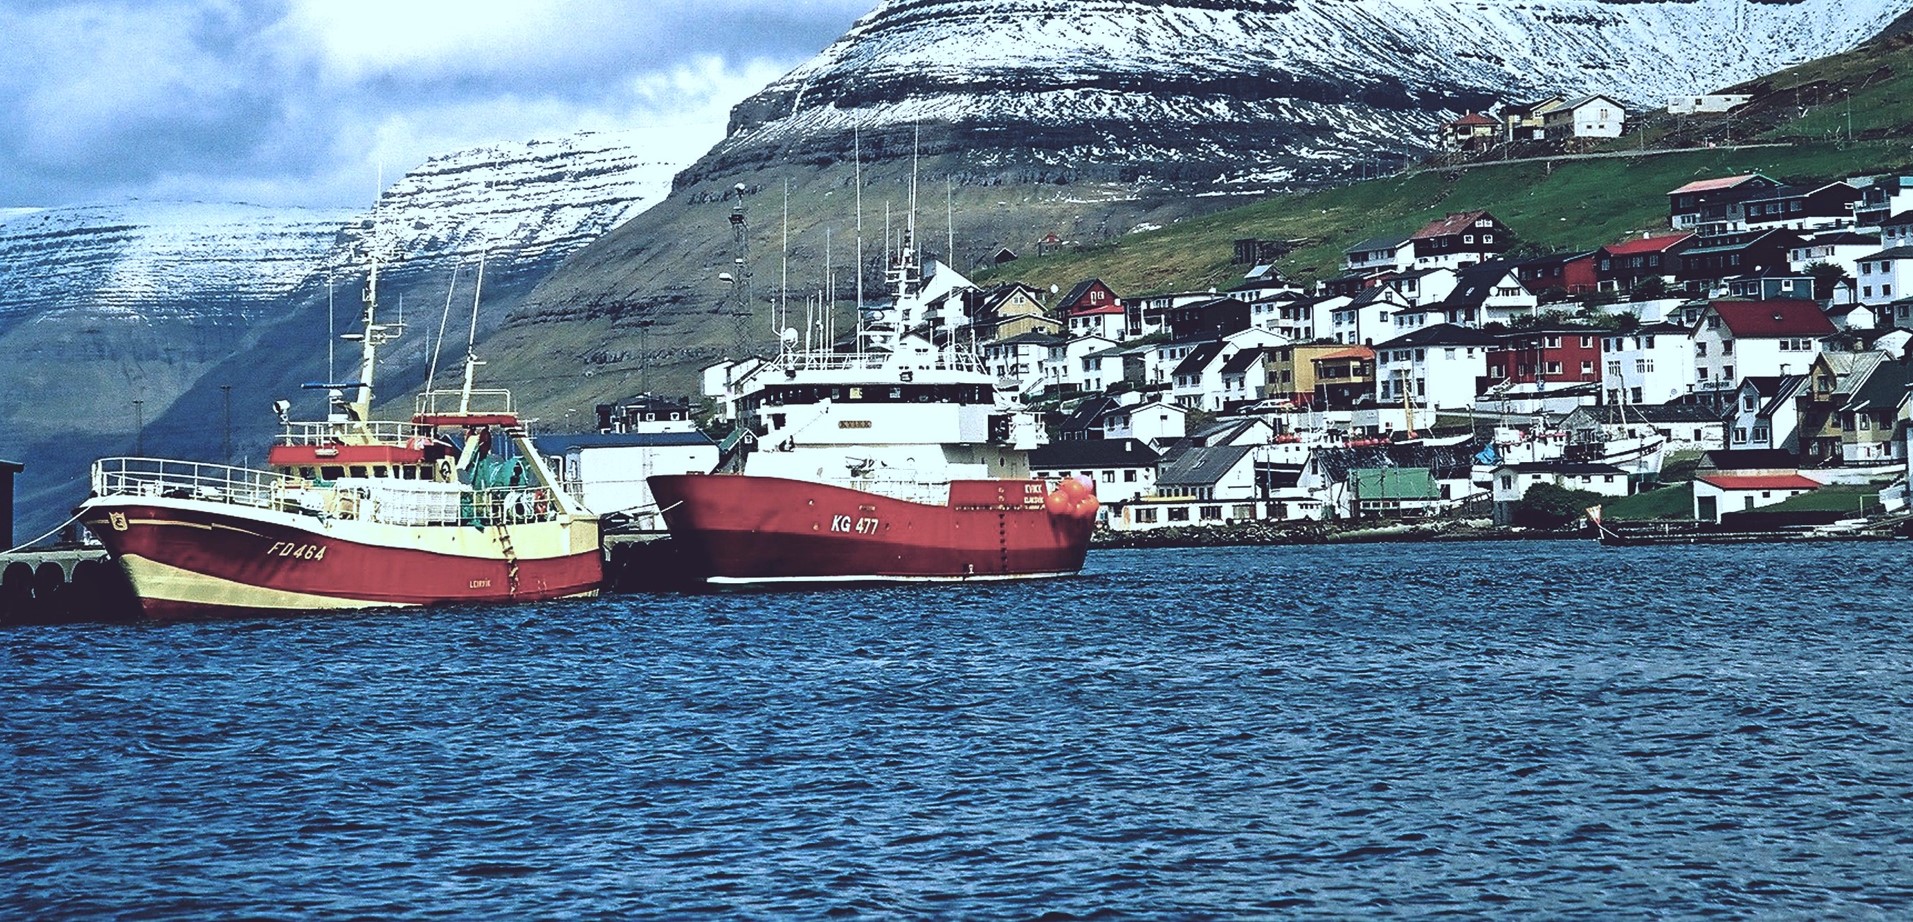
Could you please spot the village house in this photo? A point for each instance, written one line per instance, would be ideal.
(1779, 283)
(1367, 317)
(1292, 371)
(1886, 275)
(1156, 422)
(1717, 494)
(1245, 376)
(1713, 206)
(1487, 292)
(1870, 417)
(1739, 338)
(1511, 482)
(1799, 208)
(1706, 104)
(1624, 266)
(1344, 378)
(1065, 369)
(1433, 367)
(1383, 253)
(1707, 262)
(1764, 415)
(1897, 231)
(1213, 318)
(1109, 321)
(1018, 361)
(1587, 117)
(1550, 358)
(1123, 468)
(1527, 121)
(1196, 381)
(1461, 239)
(1842, 248)
(1881, 197)
(1558, 276)
(1832, 378)
(1423, 285)
(1470, 134)
(1396, 493)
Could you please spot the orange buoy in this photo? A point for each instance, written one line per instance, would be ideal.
(1058, 503)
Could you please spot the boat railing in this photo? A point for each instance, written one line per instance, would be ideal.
(158, 477)
(935, 493)
(401, 503)
(482, 402)
(879, 361)
(350, 433)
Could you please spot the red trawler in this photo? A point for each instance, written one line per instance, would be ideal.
(895, 461)
(452, 506)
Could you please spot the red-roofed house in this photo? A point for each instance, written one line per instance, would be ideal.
(1622, 266)
(1470, 133)
(1741, 339)
(1460, 240)
(1713, 206)
(1092, 308)
(1715, 494)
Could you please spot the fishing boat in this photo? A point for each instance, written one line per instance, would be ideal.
(896, 459)
(452, 505)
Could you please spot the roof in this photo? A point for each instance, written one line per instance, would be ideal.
(1087, 412)
(1475, 283)
(1760, 481)
(1086, 453)
(1357, 352)
(1749, 459)
(1883, 389)
(1714, 185)
(1578, 103)
(1903, 252)
(1444, 334)
(1371, 295)
(1613, 414)
(559, 444)
(1082, 288)
(1785, 388)
(1452, 224)
(1198, 359)
(1202, 465)
(1660, 244)
(1769, 319)
(1473, 118)
(1393, 483)
(1728, 243)
(1242, 360)
(11, 467)
(1031, 338)
(1391, 242)
(1114, 308)
(1842, 238)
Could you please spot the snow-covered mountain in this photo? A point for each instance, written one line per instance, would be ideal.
(1287, 89)
(157, 260)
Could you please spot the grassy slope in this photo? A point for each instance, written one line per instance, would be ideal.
(1575, 204)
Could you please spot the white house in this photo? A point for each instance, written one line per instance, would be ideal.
(1885, 276)
(1019, 360)
(1653, 364)
(1423, 286)
(1392, 252)
(1843, 248)
(1436, 367)
(1064, 367)
(1710, 103)
(1155, 422)
(1124, 468)
(1366, 318)
(1736, 339)
(1764, 415)
(1715, 494)
(1511, 482)
(1587, 117)
(1197, 380)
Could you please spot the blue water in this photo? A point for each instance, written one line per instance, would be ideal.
(1496, 730)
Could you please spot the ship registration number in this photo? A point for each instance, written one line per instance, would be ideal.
(866, 525)
(296, 550)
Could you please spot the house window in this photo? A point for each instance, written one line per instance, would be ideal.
(1507, 482)
(1129, 476)
(1211, 513)
(1179, 514)
(1146, 515)
(1727, 347)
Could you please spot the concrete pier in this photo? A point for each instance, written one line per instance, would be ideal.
(48, 587)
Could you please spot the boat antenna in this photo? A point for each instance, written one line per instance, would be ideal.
(331, 332)
(471, 341)
(949, 217)
(783, 281)
(431, 371)
(830, 295)
(856, 140)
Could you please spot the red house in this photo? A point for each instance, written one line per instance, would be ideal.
(1568, 273)
(1558, 356)
(1621, 266)
(1087, 296)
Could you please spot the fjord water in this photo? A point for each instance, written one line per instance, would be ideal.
(1491, 729)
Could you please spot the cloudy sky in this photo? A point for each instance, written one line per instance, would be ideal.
(302, 102)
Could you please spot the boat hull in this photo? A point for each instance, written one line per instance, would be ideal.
(743, 530)
(191, 559)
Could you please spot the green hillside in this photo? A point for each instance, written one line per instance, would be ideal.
(1828, 119)
(1565, 203)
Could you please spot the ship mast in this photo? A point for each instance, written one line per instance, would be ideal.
(471, 342)
(374, 335)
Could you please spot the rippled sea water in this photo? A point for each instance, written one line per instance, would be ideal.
(1491, 729)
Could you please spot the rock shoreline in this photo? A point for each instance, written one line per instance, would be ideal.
(1302, 532)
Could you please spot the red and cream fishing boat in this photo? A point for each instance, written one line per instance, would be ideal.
(453, 505)
(896, 461)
